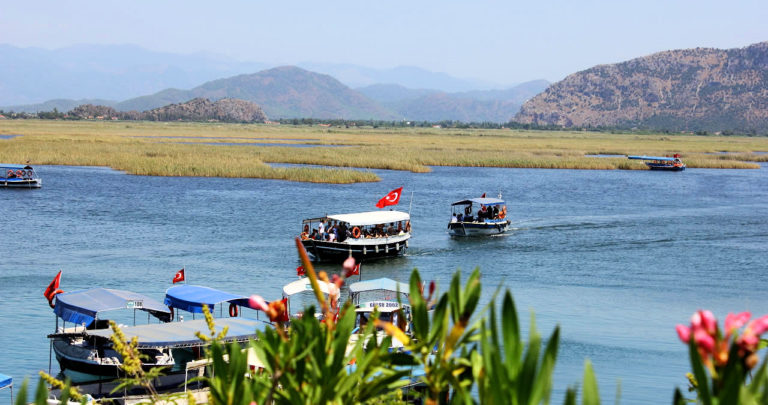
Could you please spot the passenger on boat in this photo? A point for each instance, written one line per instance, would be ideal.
(454, 219)
(495, 212)
(391, 230)
(460, 217)
(343, 233)
(314, 234)
(321, 231)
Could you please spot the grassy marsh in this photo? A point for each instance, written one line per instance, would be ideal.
(149, 148)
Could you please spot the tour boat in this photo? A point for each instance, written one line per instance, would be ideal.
(364, 235)
(19, 176)
(478, 217)
(86, 353)
(388, 297)
(673, 164)
(300, 291)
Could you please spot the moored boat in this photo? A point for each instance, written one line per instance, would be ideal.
(19, 176)
(388, 297)
(673, 164)
(478, 217)
(364, 235)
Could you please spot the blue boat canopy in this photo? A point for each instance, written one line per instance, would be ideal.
(81, 307)
(666, 159)
(191, 298)
(182, 334)
(5, 381)
(13, 166)
(379, 284)
(481, 201)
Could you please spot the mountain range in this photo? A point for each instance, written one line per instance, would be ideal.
(700, 89)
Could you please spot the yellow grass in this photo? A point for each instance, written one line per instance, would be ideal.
(147, 148)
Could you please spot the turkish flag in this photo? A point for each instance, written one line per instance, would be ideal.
(482, 196)
(179, 276)
(300, 271)
(52, 287)
(390, 199)
(284, 317)
(354, 272)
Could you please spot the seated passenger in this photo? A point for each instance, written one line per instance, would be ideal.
(454, 219)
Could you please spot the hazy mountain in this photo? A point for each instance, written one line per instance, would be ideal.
(406, 76)
(690, 89)
(61, 105)
(434, 105)
(283, 92)
(113, 72)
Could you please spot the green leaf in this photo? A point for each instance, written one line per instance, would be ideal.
(698, 372)
(591, 394)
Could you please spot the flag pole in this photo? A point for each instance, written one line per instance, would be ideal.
(410, 205)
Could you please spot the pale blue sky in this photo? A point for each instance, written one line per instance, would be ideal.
(500, 41)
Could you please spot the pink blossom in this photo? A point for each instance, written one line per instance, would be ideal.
(704, 341)
(684, 333)
(748, 341)
(760, 325)
(257, 302)
(349, 264)
(708, 321)
(735, 321)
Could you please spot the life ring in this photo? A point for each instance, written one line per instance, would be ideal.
(50, 300)
(468, 210)
(356, 232)
(232, 310)
(19, 173)
(170, 309)
(9, 173)
(408, 226)
(306, 228)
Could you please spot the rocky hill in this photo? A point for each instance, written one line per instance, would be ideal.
(284, 92)
(198, 109)
(691, 89)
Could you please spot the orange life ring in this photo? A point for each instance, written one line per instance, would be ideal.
(356, 232)
(408, 226)
(50, 300)
(9, 173)
(19, 173)
(232, 310)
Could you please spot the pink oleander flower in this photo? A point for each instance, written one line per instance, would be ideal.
(735, 321)
(257, 302)
(684, 333)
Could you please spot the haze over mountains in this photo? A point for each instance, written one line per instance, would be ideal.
(131, 78)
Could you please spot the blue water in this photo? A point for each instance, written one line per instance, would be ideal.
(616, 258)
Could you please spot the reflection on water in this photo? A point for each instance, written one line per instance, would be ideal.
(616, 258)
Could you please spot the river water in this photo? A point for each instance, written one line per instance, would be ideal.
(616, 258)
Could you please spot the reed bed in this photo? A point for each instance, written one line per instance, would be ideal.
(184, 149)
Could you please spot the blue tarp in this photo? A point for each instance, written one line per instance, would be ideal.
(81, 307)
(666, 159)
(379, 284)
(5, 381)
(177, 334)
(481, 201)
(192, 297)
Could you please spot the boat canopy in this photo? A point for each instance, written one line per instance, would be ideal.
(379, 284)
(666, 159)
(13, 166)
(366, 218)
(82, 306)
(481, 201)
(191, 298)
(303, 284)
(182, 334)
(5, 381)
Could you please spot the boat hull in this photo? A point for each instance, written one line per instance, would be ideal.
(21, 183)
(360, 249)
(668, 168)
(478, 228)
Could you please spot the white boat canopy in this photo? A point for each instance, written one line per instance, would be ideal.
(385, 284)
(367, 218)
(302, 285)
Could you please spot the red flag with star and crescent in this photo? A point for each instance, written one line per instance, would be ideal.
(179, 277)
(390, 199)
(300, 271)
(49, 292)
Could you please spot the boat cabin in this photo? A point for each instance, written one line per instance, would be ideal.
(389, 297)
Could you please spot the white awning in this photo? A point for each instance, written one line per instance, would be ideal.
(303, 284)
(371, 218)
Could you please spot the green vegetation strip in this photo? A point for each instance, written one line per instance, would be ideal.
(184, 149)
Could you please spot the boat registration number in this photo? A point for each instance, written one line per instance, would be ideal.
(383, 304)
(134, 304)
